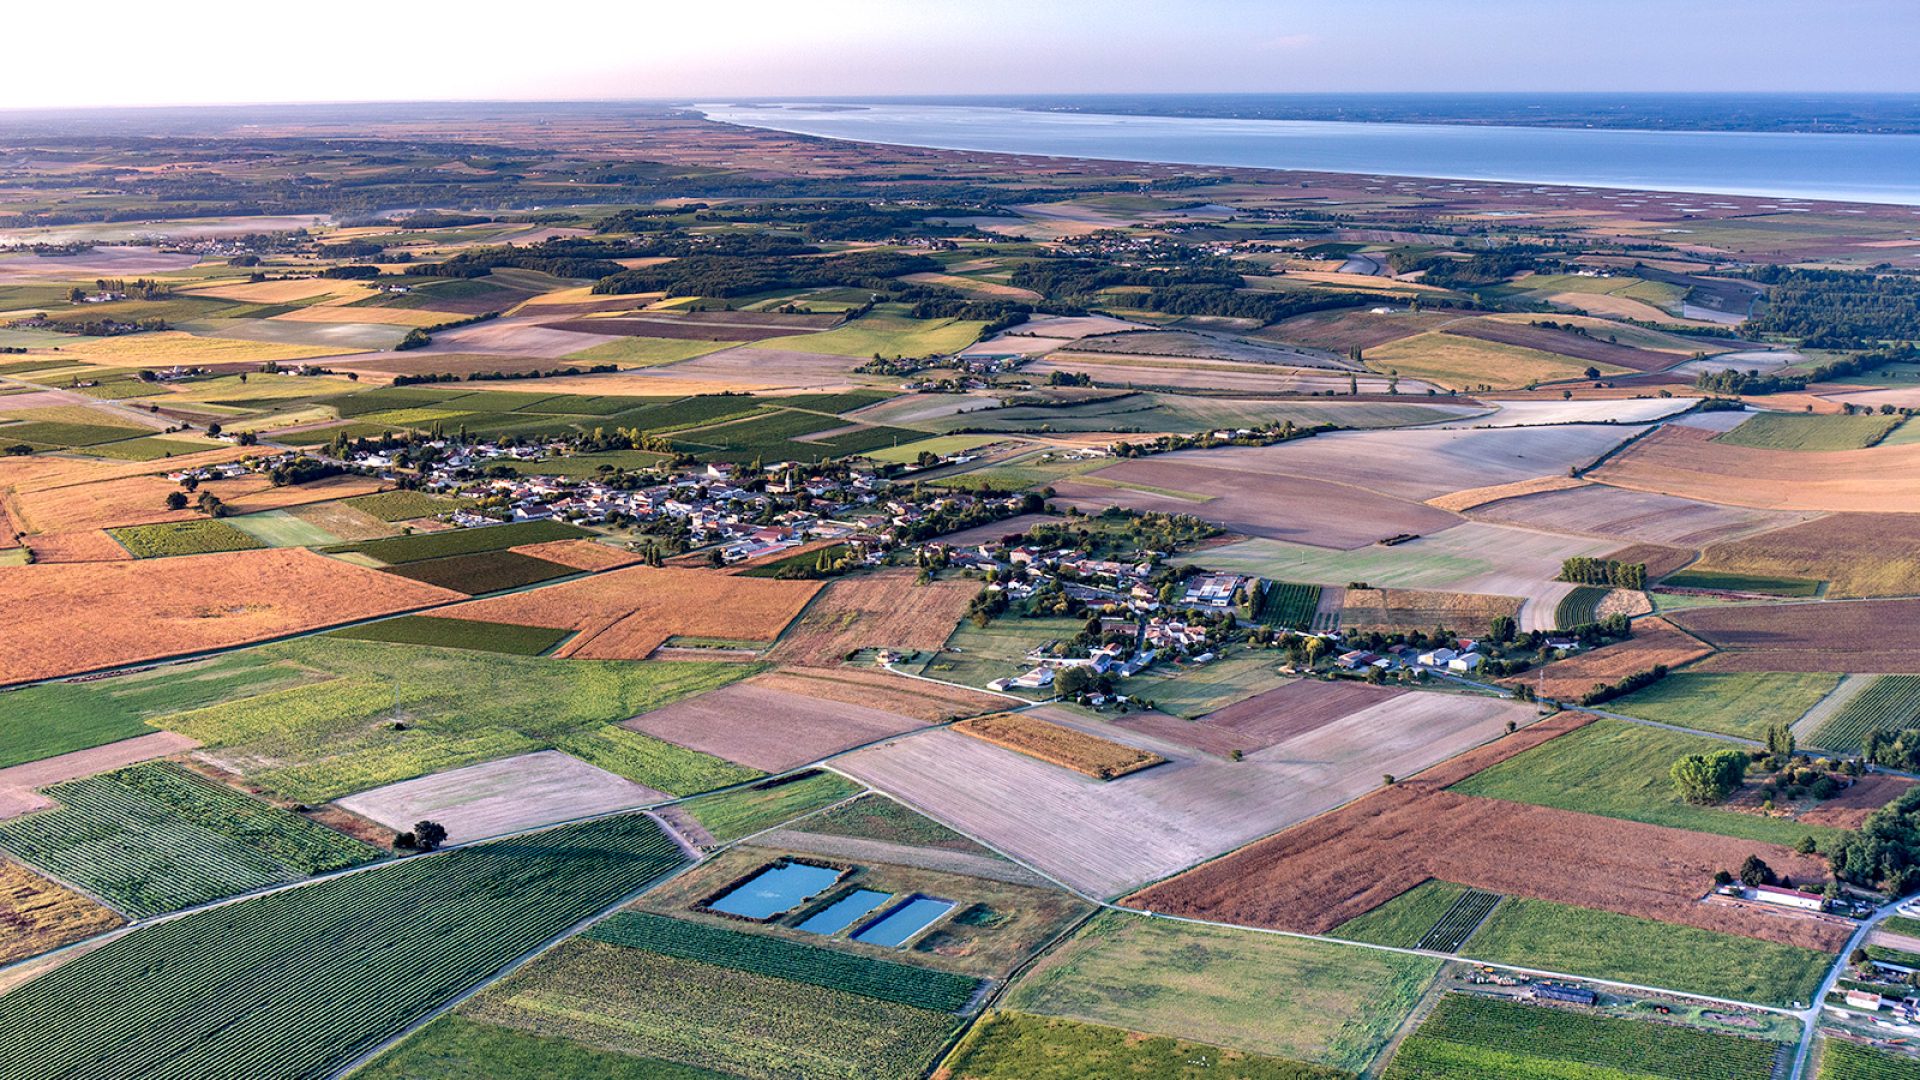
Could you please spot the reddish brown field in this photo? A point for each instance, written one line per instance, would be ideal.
(579, 554)
(1661, 560)
(1654, 641)
(37, 915)
(768, 726)
(1863, 636)
(879, 610)
(1317, 875)
(62, 619)
(1687, 462)
(1575, 345)
(1264, 719)
(1055, 744)
(1850, 808)
(626, 614)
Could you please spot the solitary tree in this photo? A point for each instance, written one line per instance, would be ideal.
(176, 500)
(428, 835)
(1705, 779)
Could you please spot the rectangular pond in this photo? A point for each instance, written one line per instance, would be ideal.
(776, 890)
(899, 926)
(843, 912)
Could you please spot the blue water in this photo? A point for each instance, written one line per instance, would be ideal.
(777, 889)
(1854, 167)
(841, 914)
(904, 921)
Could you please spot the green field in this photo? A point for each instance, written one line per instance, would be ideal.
(788, 435)
(1793, 431)
(397, 550)
(1841, 1060)
(877, 817)
(1258, 993)
(730, 815)
(1579, 607)
(886, 335)
(1016, 1046)
(1731, 704)
(762, 954)
(297, 983)
(456, 1048)
(156, 838)
(1402, 921)
(1621, 769)
(809, 560)
(404, 505)
(472, 634)
(1195, 691)
(144, 449)
(1292, 606)
(1750, 583)
(484, 572)
(277, 528)
(747, 1024)
(1603, 945)
(200, 536)
(939, 446)
(1890, 702)
(1468, 1037)
(646, 352)
(53, 433)
(319, 741)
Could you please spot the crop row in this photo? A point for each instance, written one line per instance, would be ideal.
(1890, 703)
(1460, 921)
(1289, 605)
(1846, 1061)
(1663, 1050)
(764, 954)
(1579, 607)
(199, 537)
(297, 983)
(406, 549)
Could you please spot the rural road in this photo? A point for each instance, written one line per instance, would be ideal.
(1810, 1019)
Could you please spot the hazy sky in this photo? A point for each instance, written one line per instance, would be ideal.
(131, 52)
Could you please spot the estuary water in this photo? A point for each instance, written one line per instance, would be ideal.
(1847, 167)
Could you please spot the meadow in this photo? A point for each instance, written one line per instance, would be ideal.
(439, 545)
(1017, 1046)
(1789, 431)
(183, 538)
(456, 1048)
(457, 634)
(883, 335)
(730, 815)
(1743, 704)
(282, 985)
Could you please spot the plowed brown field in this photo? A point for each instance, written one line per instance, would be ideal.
(1069, 748)
(1688, 462)
(87, 545)
(1317, 875)
(881, 610)
(1859, 636)
(922, 700)
(1654, 641)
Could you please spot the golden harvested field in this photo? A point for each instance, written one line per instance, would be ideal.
(876, 689)
(83, 546)
(43, 473)
(1461, 501)
(626, 614)
(168, 347)
(1859, 554)
(37, 915)
(141, 500)
(1423, 609)
(1066, 747)
(63, 619)
(1688, 462)
(579, 554)
(281, 292)
(344, 521)
(880, 610)
(1654, 641)
(324, 313)
(1465, 363)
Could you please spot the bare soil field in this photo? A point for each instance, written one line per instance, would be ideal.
(899, 695)
(1057, 744)
(1277, 506)
(1104, 837)
(1654, 641)
(504, 796)
(1353, 328)
(141, 500)
(878, 610)
(579, 554)
(1537, 412)
(1391, 610)
(1181, 344)
(1461, 501)
(1860, 555)
(1318, 875)
(626, 614)
(112, 262)
(1637, 516)
(19, 783)
(677, 328)
(991, 533)
(1689, 463)
(344, 521)
(1260, 721)
(769, 727)
(62, 619)
(1578, 346)
(37, 915)
(1850, 808)
(1191, 373)
(755, 369)
(1855, 636)
(514, 336)
(407, 317)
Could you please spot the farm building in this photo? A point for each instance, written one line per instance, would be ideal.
(1437, 657)
(1213, 590)
(1575, 995)
(1864, 999)
(1773, 894)
(1465, 662)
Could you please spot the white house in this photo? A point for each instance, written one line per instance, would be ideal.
(1437, 657)
(1465, 662)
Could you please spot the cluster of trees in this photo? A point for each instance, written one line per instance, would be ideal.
(1480, 269)
(502, 376)
(302, 470)
(852, 220)
(1895, 749)
(1585, 570)
(352, 272)
(1707, 779)
(1608, 691)
(1885, 851)
(1838, 309)
(727, 275)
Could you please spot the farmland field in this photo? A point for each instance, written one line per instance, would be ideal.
(457, 634)
(1604, 945)
(440, 545)
(1578, 608)
(1842, 1060)
(1067, 747)
(483, 572)
(1619, 769)
(456, 1048)
(1857, 636)
(1467, 1037)
(1786, 431)
(750, 1025)
(1654, 641)
(886, 335)
(1689, 463)
(1858, 555)
(1404, 921)
(730, 815)
(292, 1000)
(283, 528)
(1639, 516)
(155, 838)
(498, 797)
(183, 538)
(769, 728)
(403, 505)
(1467, 363)
(40, 915)
(1303, 1000)
(1291, 606)
(1016, 1046)
(1734, 704)
(1890, 703)
(878, 610)
(1695, 577)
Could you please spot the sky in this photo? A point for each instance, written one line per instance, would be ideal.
(135, 52)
